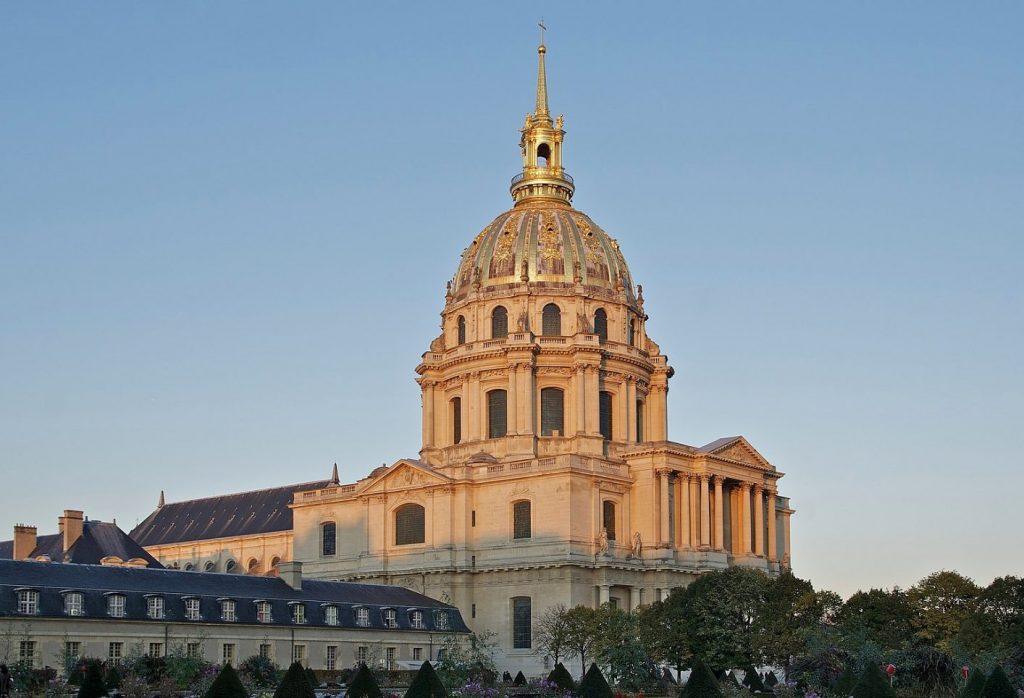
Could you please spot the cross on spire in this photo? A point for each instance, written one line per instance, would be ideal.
(542, 29)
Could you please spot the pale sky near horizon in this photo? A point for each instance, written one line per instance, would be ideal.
(226, 228)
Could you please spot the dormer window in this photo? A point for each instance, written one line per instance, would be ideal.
(192, 609)
(330, 615)
(28, 602)
(155, 607)
(263, 614)
(416, 619)
(227, 610)
(74, 603)
(390, 617)
(362, 617)
(299, 613)
(441, 620)
(115, 605)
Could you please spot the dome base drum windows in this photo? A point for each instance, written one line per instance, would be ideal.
(497, 414)
(552, 412)
(410, 524)
(499, 323)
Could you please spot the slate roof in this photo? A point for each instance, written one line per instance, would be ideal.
(99, 539)
(718, 443)
(96, 582)
(223, 516)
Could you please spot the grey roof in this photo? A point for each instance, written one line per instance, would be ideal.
(718, 443)
(99, 539)
(96, 582)
(223, 516)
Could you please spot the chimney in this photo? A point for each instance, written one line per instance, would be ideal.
(71, 525)
(291, 573)
(24, 541)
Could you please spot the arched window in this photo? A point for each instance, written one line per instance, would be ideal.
(497, 414)
(456, 420)
(552, 401)
(601, 324)
(210, 566)
(522, 630)
(551, 321)
(328, 538)
(605, 406)
(521, 519)
(230, 566)
(461, 323)
(499, 323)
(632, 332)
(410, 524)
(608, 518)
(543, 155)
(253, 566)
(639, 420)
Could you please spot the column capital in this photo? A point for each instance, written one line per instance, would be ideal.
(719, 480)
(745, 486)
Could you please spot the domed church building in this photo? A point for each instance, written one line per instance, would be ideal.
(546, 474)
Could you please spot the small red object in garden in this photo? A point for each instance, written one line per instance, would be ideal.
(965, 671)
(891, 669)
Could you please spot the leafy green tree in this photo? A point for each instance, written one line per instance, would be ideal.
(465, 658)
(594, 684)
(363, 684)
(721, 609)
(662, 631)
(227, 685)
(791, 608)
(975, 684)
(880, 616)
(113, 678)
(260, 670)
(998, 685)
(551, 632)
(617, 647)
(701, 684)
(581, 633)
(92, 682)
(426, 684)
(997, 622)
(295, 684)
(941, 602)
(873, 684)
(561, 677)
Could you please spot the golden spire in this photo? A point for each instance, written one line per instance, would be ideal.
(542, 78)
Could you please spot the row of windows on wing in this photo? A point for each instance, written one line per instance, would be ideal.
(552, 414)
(191, 609)
(551, 324)
(230, 566)
(410, 525)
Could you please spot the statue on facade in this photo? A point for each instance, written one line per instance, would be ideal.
(602, 542)
(523, 323)
(577, 272)
(524, 274)
(584, 323)
(638, 546)
(438, 344)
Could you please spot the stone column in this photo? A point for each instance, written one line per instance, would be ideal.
(474, 417)
(512, 422)
(581, 400)
(604, 594)
(694, 511)
(683, 509)
(665, 528)
(428, 414)
(705, 513)
(634, 598)
(719, 514)
(745, 520)
(593, 413)
(787, 561)
(758, 521)
(773, 537)
(630, 430)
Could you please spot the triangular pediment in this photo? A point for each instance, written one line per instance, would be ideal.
(736, 449)
(405, 474)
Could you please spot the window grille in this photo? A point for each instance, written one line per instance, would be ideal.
(497, 414)
(462, 330)
(299, 654)
(551, 320)
(632, 333)
(328, 538)
(331, 615)
(156, 649)
(552, 411)
(332, 657)
(608, 519)
(362, 653)
(74, 604)
(416, 618)
(155, 607)
(115, 651)
(362, 617)
(499, 323)
(115, 606)
(521, 519)
(456, 420)
(266, 651)
(390, 653)
(73, 649)
(410, 524)
(28, 602)
(26, 654)
(605, 404)
(192, 609)
(263, 612)
(390, 617)
(227, 611)
(298, 614)
(442, 620)
(522, 631)
(192, 650)
(601, 324)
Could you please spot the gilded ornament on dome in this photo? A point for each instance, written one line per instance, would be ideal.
(507, 239)
(549, 239)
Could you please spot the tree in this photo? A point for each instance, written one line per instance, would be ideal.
(363, 684)
(226, 685)
(551, 632)
(561, 677)
(721, 608)
(464, 658)
(997, 619)
(701, 684)
(260, 670)
(662, 627)
(594, 685)
(880, 616)
(295, 684)
(617, 647)
(791, 608)
(581, 633)
(92, 683)
(941, 602)
(873, 684)
(426, 684)
(998, 685)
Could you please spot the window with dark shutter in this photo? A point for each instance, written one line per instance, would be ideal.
(410, 524)
(497, 414)
(551, 321)
(605, 404)
(521, 519)
(639, 420)
(552, 411)
(456, 420)
(632, 332)
(522, 630)
(462, 330)
(328, 538)
(601, 324)
(499, 323)
(608, 518)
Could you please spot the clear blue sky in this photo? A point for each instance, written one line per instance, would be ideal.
(225, 231)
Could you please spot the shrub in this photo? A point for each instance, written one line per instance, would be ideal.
(771, 680)
(363, 684)
(845, 683)
(701, 683)
(873, 684)
(520, 680)
(998, 685)
(313, 680)
(594, 685)
(295, 684)
(227, 685)
(426, 684)
(561, 677)
(92, 682)
(113, 678)
(975, 685)
(261, 670)
(506, 677)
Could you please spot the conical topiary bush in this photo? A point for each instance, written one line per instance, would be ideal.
(561, 677)
(313, 680)
(975, 684)
(752, 680)
(426, 684)
(92, 683)
(998, 685)
(295, 684)
(731, 675)
(873, 684)
(701, 683)
(363, 684)
(519, 680)
(226, 685)
(594, 685)
(845, 683)
(771, 680)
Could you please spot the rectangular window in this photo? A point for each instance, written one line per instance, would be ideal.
(390, 618)
(389, 655)
(473, 518)
(263, 614)
(298, 614)
(473, 611)
(332, 657)
(266, 651)
(329, 539)
(608, 519)
(551, 412)
(521, 519)
(639, 420)
(192, 650)
(28, 602)
(522, 630)
(74, 604)
(227, 611)
(417, 654)
(72, 649)
(441, 621)
(416, 618)
(299, 654)
(155, 607)
(456, 420)
(27, 653)
(361, 654)
(497, 414)
(192, 609)
(331, 615)
(227, 654)
(605, 406)
(115, 606)
(156, 649)
(362, 617)
(115, 652)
